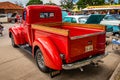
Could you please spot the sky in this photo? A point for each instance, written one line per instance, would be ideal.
(54, 1)
(114, 1)
(26, 1)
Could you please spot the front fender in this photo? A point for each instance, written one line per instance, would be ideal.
(50, 53)
(14, 32)
(17, 34)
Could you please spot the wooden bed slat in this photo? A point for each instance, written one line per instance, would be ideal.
(51, 29)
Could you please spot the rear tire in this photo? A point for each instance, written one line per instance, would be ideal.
(13, 42)
(40, 61)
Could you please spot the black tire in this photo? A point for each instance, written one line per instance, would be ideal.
(40, 62)
(116, 34)
(13, 42)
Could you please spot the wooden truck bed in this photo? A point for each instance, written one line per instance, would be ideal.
(76, 38)
(70, 29)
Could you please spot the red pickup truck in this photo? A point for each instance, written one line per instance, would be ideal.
(56, 45)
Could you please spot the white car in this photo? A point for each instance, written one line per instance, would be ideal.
(112, 24)
(3, 18)
(76, 19)
(110, 20)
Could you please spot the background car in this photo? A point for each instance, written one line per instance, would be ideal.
(3, 18)
(12, 18)
(110, 20)
(112, 23)
(116, 16)
(76, 18)
(64, 13)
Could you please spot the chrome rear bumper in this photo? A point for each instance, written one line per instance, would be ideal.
(83, 63)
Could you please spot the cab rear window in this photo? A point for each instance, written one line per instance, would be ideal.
(46, 15)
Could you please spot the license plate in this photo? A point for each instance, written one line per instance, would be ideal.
(88, 48)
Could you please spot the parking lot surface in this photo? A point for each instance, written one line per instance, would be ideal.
(15, 64)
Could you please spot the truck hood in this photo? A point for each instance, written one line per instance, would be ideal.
(95, 19)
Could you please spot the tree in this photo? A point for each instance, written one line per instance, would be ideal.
(67, 4)
(85, 3)
(32, 2)
(50, 4)
(111, 1)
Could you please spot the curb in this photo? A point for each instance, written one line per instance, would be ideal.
(116, 73)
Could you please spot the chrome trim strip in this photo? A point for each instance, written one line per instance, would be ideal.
(93, 34)
(83, 63)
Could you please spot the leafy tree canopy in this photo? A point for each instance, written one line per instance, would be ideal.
(50, 4)
(85, 3)
(67, 4)
(32, 2)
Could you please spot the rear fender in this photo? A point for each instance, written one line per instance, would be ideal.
(50, 53)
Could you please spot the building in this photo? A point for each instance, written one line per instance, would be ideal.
(8, 8)
(107, 9)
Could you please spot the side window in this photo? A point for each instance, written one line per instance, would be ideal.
(82, 20)
(24, 15)
(111, 18)
(46, 15)
(67, 19)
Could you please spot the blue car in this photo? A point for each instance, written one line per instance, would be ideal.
(64, 13)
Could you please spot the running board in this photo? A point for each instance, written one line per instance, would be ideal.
(26, 48)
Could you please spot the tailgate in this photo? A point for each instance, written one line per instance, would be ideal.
(86, 46)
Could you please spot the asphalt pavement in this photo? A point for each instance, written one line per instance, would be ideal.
(15, 64)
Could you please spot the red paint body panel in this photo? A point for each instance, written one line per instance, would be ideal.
(50, 55)
(78, 31)
(33, 14)
(51, 44)
(75, 49)
(18, 34)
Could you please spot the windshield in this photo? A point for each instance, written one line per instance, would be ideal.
(110, 17)
(69, 19)
(117, 16)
